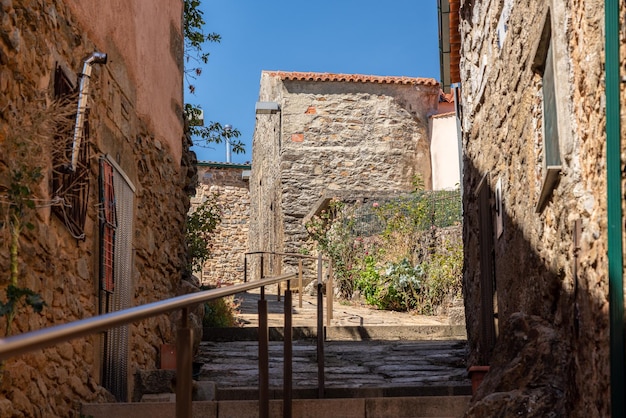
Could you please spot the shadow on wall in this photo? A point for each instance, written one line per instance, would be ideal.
(552, 327)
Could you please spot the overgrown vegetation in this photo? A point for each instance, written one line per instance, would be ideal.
(220, 313)
(408, 257)
(201, 224)
(28, 146)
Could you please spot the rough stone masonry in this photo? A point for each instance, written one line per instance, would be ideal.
(333, 133)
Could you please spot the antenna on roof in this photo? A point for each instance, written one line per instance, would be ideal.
(227, 134)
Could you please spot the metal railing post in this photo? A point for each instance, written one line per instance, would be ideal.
(279, 268)
(288, 357)
(261, 268)
(329, 294)
(264, 373)
(320, 331)
(300, 283)
(184, 343)
(245, 268)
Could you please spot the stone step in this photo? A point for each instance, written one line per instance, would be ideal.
(378, 407)
(343, 333)
(349, 364)
(406, 391)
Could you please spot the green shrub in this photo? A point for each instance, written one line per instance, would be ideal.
(368, 280)
(201, 223)
(409, 255)
(220, 313)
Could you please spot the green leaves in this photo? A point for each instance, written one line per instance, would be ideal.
(201, 224)
(195, 40)
(408, 257)
(17, 297)
(213, 133)
(193, 32)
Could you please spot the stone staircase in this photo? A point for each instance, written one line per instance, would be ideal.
(397, 407)
(400, 367)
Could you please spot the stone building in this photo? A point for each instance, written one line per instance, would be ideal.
(110, 208)
(318, 135)
(539, 88)
(227, 183)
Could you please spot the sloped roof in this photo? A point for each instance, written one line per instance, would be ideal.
(355, 78)
(455, 42)
(442, 115)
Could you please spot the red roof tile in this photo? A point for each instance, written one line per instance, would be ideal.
(442, 115)
(446, 97)
(356, 78)
(455, 42)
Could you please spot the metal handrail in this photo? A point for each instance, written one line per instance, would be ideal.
(297, 255)
(33, 340)
(300, 257)
(39, 339)
(30, 341)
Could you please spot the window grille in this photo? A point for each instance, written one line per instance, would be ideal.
(71, 187)
(116, 221)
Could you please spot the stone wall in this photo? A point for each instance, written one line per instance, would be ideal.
(230, 239)
(333, 134)
(551, 290)
(37, 36)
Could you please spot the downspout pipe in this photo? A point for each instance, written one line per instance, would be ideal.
(614, 207)
(83, 95)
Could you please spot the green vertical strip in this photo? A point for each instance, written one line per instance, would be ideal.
(614, 202)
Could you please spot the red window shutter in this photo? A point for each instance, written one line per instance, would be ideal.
(108, 224)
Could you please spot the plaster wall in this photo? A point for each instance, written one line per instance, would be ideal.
(143, 41)
(444, 151)
(43, 34)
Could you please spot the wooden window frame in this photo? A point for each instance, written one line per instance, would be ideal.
(544, 65)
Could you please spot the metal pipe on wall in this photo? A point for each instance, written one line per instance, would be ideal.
(83, 95)
(614, 207)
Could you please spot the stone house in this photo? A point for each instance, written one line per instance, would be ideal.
(319, 135)
(110, 208)
(228, 184)
(542, 183)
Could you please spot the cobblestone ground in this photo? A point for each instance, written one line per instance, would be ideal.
(388, 362)
(348, 364)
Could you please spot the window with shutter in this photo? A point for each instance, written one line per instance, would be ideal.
(544, 66)
(108, 224)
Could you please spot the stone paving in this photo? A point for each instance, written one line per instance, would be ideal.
(352, 364)
(386, 364)
(344, 313)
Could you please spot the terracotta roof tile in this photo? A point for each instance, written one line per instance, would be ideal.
(356, 78)
(446, 97)
(442, 115)
(455, 42)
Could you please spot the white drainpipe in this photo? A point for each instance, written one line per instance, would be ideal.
(83, 94)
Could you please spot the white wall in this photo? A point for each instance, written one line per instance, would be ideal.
(444, 151)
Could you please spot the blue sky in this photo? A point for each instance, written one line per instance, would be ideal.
(372, 37)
